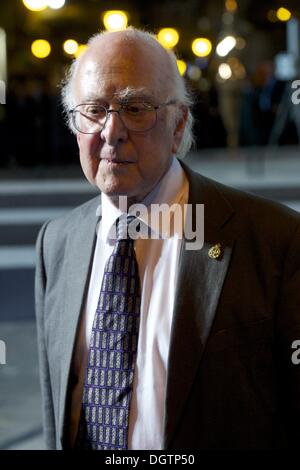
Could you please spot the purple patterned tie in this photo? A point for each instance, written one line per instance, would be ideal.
(112, 353)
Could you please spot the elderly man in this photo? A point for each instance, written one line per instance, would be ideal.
(144, 343)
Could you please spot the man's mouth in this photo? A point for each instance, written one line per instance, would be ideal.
(115, 161)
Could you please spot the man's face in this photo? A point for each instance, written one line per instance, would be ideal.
(119, 161)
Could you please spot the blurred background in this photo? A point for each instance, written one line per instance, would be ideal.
(241, 61)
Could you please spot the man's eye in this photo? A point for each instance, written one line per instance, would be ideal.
(133, 109)
(93, 110)
(136, 109)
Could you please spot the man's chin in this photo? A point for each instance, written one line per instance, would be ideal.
(114, 189)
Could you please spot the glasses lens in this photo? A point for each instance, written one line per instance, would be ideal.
(89, 118)
(138, 117)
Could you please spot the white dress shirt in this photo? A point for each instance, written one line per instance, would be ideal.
(157, 260)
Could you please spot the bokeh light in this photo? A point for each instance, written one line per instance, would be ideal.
(194, 72)
(56, 4)
(35, 5)
(168, 37)
(225, 46)
(181, 66)
(238, 70)
(224, 71)
(201, 47)
(70, 46)
(40, 48)
(80, 50)
(283, 14)
(231, 5)
(228, 18)
(115, 20)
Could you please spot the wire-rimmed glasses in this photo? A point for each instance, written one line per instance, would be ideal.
(91, 117)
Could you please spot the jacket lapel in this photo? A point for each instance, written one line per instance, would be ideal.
(79, 253)
(199, 284)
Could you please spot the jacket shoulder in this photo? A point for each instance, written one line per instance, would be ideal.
(242, 202)
(54, 232)
(63, 223)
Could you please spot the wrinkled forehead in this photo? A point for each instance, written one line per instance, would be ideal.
(108, 69)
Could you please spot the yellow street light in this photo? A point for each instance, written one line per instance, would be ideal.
(80, 50)
(283, 14)
(168, 37)
(40, 48)
(70, 46)
(201, 47)
(35, 5)
(181, 66)
(115, 20)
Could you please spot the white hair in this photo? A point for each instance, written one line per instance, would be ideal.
(178, 90)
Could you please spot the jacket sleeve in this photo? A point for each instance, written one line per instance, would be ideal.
(40, 289)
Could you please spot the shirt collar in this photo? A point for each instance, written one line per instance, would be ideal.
(171, 189)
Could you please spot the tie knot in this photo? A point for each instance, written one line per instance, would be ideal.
(122, 225)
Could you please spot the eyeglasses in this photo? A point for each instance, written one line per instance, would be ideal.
(90, 118)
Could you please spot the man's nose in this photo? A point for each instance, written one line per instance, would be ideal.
(113, 130)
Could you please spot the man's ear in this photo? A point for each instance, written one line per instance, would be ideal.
(179, 128)
(78, 139)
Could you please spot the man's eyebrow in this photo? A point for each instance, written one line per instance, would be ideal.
(130, 93)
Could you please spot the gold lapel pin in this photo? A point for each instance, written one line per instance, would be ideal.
(215, 251)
